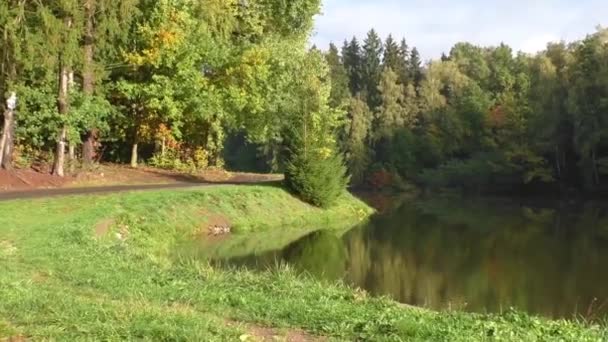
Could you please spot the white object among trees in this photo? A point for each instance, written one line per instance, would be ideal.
(11, 102)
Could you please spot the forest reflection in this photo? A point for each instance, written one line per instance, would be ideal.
(474, 255)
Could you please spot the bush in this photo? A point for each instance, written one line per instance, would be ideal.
(479, 171)
(317, 177)
(182, 161)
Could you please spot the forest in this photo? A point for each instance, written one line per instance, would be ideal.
(479, 119)
(188, 85)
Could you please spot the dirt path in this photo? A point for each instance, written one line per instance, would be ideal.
(108, 178)
(44, 193)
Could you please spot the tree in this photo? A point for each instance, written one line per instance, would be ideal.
(315, 170)
(357, 145)
(63, 22)
(106, 26)
(11, 29)
(392, 56)
(372, 67)
(339, 78)
(588, 101)
(403, 67)
(352, 59)
(415, 67)
(391, 115)
(472, 62)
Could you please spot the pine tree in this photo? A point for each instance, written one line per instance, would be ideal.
(340, 91)
(404, 59)
(392, 57)
(106, 25)
(415, 67)
(352, 59)
(372, 67)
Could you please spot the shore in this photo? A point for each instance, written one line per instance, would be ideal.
(108, 267)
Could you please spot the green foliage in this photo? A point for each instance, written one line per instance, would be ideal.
(358, 137)
(372, 67)
(415, 67)
(173, 159)
(352, 59)
(339, 78)
(540, 116)
(201, 70)
(393, 112)
(317, 176)
(470, 174)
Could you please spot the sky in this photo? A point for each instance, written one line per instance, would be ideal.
(434, 26)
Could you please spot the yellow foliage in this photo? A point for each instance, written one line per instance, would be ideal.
(325, 152)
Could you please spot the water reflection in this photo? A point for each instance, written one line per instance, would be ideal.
(482, 256)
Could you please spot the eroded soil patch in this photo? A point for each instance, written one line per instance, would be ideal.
(103, 227)
(258, 333)
(215, 227)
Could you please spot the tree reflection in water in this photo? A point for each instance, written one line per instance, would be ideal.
(474, 255)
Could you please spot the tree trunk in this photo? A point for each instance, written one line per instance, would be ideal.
(60, 153)
(134, 155)
(3, 139)
(7, 140)
(63, 107)
(88, 80)
(71, 156)
(89, 147)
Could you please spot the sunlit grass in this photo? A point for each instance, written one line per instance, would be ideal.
(61, 281)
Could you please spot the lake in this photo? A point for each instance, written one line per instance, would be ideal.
(477, 255)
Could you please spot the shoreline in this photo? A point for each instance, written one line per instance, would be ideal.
(127, 283)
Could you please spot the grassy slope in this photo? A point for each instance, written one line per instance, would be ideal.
(60, 281)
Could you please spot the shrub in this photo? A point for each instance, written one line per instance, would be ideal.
(183, 161)
(317, 177)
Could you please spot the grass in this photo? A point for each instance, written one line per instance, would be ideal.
(59, 281)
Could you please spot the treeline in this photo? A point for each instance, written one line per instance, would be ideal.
(481, 118)
(168, 82)
(186, 85)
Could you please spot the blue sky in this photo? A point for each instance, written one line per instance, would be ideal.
(435, 25)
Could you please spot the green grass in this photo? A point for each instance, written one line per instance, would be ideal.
(59, 281)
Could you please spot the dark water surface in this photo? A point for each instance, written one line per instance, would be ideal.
(477, 255)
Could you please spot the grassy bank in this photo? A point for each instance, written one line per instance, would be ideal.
(106, 268)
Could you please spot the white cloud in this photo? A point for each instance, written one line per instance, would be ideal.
(435, 25)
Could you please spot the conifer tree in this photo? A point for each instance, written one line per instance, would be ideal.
(392, 57)
(372, 67)
(340, 91)
(415, 67)
(352, 59)
(404, 60)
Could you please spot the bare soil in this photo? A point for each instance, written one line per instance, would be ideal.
(29, 179)
(14, 339)
(258, 333)
(271, 335)
(113, 178)
(103, 228)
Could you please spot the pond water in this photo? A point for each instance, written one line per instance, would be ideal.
(483, 255)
